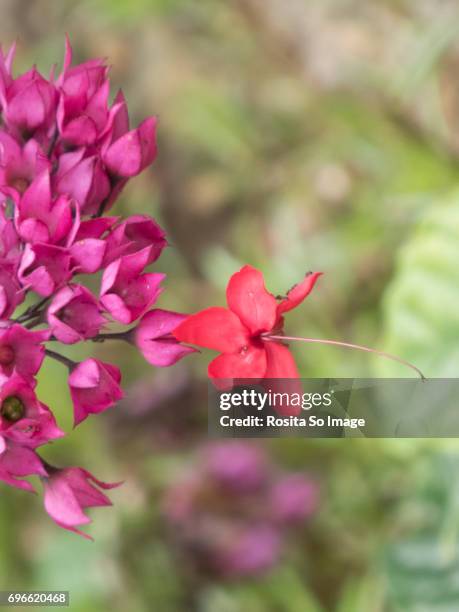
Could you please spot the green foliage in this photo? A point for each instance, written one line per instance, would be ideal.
(281, 590)
(422, 566)
(420, 305)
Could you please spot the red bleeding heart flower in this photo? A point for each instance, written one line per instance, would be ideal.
(243, 332)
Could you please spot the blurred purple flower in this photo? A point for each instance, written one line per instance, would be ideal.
(232, 509)
(294, 498)
(253, 550)
(236, 465)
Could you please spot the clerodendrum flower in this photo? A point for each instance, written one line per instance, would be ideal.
(65, 156)
(69, 491)
(249, 334)
(241, 331)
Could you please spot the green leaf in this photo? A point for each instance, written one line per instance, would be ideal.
(421, 577)
(282, 590)
(421, 314)
(363, 595)
(422, 564)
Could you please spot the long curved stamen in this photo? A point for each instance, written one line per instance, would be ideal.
(358, 347)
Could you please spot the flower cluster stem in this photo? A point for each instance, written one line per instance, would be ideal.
(32, 312)
(112, 336)
(61, 358)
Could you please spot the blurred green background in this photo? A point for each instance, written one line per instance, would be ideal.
(293, 135)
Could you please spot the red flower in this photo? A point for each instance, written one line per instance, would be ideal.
(242, 331)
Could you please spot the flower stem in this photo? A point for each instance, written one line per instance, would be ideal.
(48, 466)
(32, 311)
(33, 322)
(358, 347)
(112, 336)
(61, 358)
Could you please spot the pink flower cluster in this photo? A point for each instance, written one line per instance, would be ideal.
(65, 155)
(233, 509)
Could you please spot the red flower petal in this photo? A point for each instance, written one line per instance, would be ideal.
(297, 293)
(250, 363)
(248, 298)
(282, 368)
(280, 361)
(214, 328)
